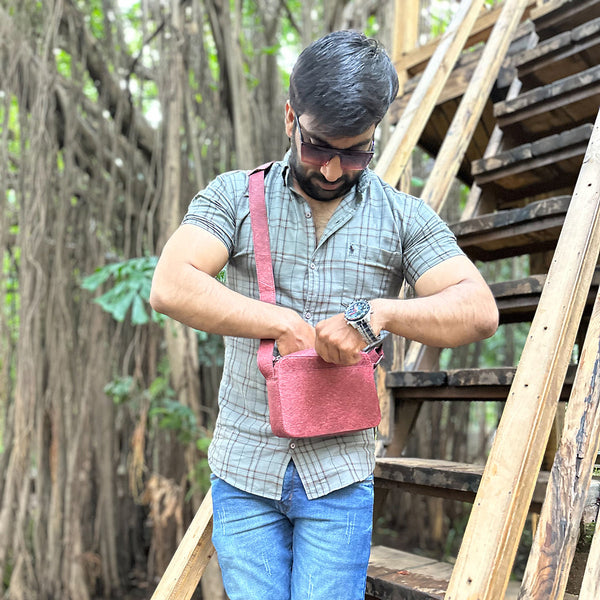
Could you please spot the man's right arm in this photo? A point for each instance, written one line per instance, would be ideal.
(184, 288)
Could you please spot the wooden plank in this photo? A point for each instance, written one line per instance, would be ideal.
(557, 14)
(590, 586)
(558, 529)
(183, 573)
(472, 104)
(398, 575)
(388, 576)
(578, 82)
(531, 228)
(484, 562)
(551, 145)
(562, 104)
(563, 55)
(407, 132)
(453, 480)
(548, 207)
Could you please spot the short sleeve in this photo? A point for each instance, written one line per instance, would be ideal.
(428, 242)
(216, 207)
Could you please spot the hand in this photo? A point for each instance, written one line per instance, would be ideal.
(337, 342)
(298, 335)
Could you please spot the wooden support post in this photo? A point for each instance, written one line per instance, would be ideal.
(484, 562)
(553, 548)
(422, 101)
(590, 587)
(471, 107)
(190, 559)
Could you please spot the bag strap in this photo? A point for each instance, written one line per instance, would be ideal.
(262, 254)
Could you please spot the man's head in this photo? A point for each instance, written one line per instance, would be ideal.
(345, 82)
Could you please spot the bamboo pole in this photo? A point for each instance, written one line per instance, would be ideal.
(484, 562)
(553, 548)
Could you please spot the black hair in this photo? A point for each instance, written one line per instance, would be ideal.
(345, 81)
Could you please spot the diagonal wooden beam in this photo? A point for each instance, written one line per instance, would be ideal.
(553, 548)
(590, 586)
(471, 106)
(181, 577)
(484, 562)
(409, 128)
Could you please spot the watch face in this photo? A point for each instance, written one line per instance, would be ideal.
(357, 310)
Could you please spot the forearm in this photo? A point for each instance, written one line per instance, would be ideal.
(455, 316)
(200, 301)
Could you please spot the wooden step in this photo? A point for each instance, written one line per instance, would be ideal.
(555, 16)
(398, 575)
(446, 479)
(563, 104)
(532, 228)
(460, 384)
(546, 165)
(517, 300)
(563, 55)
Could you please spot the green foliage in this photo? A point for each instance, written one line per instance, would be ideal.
(131, 290)
(167, 414)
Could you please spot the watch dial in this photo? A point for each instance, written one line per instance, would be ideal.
(357, 310)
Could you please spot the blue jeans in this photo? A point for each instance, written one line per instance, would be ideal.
(293, 548)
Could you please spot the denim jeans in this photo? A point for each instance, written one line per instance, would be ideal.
(293, 548)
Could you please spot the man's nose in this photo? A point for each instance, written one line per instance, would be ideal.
(332, 170)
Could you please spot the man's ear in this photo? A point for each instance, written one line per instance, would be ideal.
(289, 120)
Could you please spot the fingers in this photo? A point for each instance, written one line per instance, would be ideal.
(337, 342)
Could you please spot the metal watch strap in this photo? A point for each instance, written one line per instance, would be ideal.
(365, 330)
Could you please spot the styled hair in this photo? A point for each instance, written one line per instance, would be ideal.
(345, 81)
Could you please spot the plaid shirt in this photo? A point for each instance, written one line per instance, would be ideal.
(376, 238)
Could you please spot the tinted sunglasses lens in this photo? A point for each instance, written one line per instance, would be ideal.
(313, 155)
(352, 161)
(355, 162)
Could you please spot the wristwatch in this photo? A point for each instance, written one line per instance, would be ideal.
(358, 314)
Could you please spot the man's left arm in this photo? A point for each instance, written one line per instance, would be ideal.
(454, 306)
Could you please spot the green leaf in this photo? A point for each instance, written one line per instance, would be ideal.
(139, 316)
(95, 280)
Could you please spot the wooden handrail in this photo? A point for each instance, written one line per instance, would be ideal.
(471, 106)
(409, 128)
(484, 562)
(553, 548)
(183, 573)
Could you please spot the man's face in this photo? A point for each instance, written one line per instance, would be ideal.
(332, 180)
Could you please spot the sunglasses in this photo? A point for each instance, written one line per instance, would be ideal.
(319, 156)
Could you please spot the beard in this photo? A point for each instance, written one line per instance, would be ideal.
(314, 185)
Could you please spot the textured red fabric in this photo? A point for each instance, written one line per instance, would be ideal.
(309, 397)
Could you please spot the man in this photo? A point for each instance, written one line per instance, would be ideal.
(292, 518)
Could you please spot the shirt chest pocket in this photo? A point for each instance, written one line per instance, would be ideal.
(371, 271)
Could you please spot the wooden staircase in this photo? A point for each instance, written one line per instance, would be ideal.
(539, 122)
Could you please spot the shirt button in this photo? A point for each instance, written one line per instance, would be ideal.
(308, 314)
(292, 446)
(313, 266)
(308, 214)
